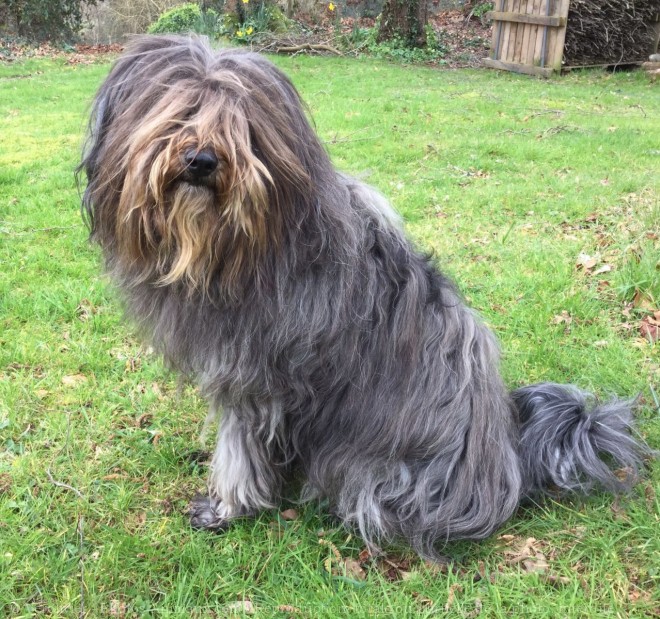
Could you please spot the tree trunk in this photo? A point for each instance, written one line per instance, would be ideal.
(404, 20)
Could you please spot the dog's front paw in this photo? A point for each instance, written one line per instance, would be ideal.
(208, 513)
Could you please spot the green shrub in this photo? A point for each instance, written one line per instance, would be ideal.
(397, 50)
(44, 20)
(186, 18)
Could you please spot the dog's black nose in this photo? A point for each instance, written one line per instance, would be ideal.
(200, 164)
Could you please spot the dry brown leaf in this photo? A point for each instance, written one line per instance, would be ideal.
(353, 569)
(289, 514)
(85, 310)
(117, 608)
(536, 564)
(364, 556)
(242, 606)
(73, 380)
(606, 268)
(507, 539)
(287, 608)
(602, 285)
(555, 580)
(143, 420)
(5, 482)
(649, 329)
(586, 262)
(561, 319)
(422, 600)
(392, 567)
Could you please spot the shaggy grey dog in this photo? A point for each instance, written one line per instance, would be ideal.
(290, 294)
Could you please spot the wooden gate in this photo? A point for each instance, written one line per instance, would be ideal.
(528, 36)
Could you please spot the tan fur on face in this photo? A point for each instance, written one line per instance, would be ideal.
(155, 107)
(179, 228)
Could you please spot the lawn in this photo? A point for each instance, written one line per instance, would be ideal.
(541, 198)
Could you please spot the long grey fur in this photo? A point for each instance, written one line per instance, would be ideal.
(341, 351)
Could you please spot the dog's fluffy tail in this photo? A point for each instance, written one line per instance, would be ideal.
(569, 441)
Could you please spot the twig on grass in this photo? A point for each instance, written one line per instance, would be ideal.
(60, 484)
(289, 49)
(33, 230)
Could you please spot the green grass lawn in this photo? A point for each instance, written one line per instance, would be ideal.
(542, 198)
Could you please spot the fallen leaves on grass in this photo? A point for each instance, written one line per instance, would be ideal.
(394, 567)
(86, 310)
(5, 483)
(529, 556)
(289, 514)
(586, 262)
(74, 380)
(287, 608)
(245, 607)
(354, 569)
(117, 608)
(642, 301)
(336, 565)
(562, 319)
(650, 327)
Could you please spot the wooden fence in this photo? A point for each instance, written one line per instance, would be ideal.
(528, 35)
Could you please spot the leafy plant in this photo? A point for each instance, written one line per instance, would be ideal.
(398, 50)
(481, 9)
(254, 18)
(186, 18)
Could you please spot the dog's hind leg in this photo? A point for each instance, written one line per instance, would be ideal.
(245, 470)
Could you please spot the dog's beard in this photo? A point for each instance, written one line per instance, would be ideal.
(188, 245)
(173, 230)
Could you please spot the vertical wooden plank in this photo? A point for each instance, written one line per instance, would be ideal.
(525, 57)
(538, 44)
(498, 39)
(506, 33)
(552, 35)
(549, 34)
(513, 40)
(555, 59)
(523, 31)
(533, 31)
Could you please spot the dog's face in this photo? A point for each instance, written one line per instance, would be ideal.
(192, 161)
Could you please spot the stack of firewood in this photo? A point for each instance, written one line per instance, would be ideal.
(610, 31)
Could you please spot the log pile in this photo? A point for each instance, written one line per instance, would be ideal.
(610, 31)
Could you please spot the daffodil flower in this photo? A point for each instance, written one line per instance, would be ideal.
(331, 7)
(249, 31)
(239, 33)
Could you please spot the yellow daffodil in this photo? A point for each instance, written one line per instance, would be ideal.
(249, 30)
(246, 1)
(239, 33)
(331, 7)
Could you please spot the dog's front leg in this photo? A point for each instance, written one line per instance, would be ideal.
(245, 474)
